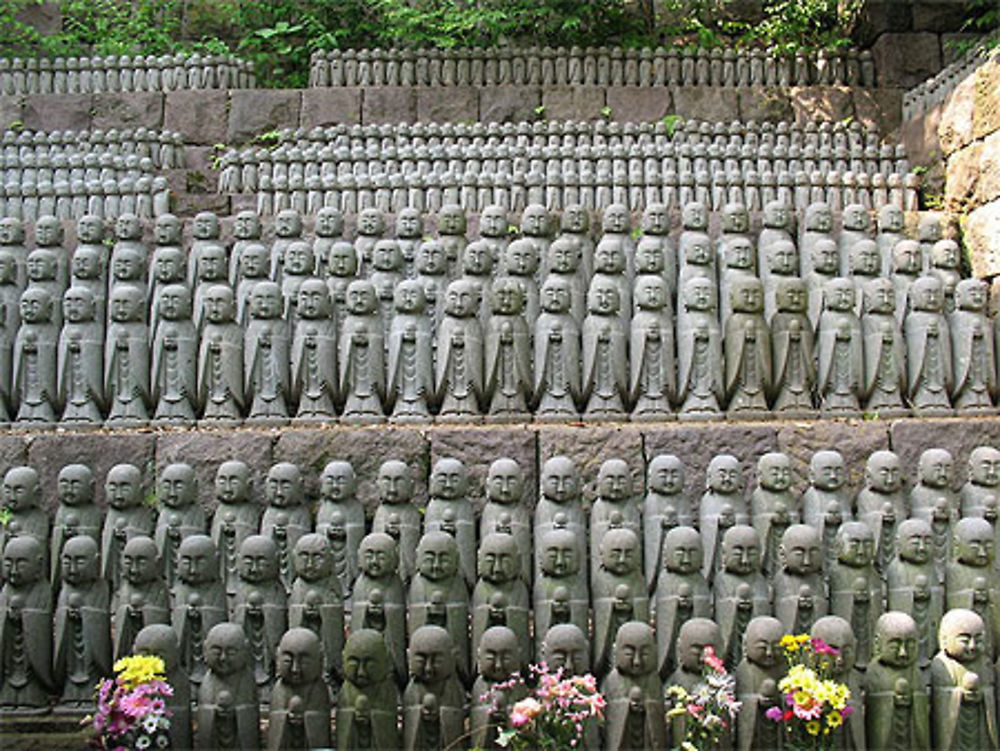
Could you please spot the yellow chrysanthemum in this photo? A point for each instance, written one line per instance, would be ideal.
(138, 669)
(834, 720)
(813, 727)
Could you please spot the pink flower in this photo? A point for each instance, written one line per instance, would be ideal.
(525, 711)
(820, 647)
(711, 659)
(774, 713)
(847, 712)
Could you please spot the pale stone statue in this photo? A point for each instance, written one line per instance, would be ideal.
(236, 517)
(773, 506)
(564, 264)
(300, 702)
(757, 676)
(508, 376)
(826, 503)
(664, 508)
(560, 591)
(411, 372)
(126, 358)
(180, 515)
(199, 601)
(700, 386)
(884, 353)
(635, 711)
(930, 377)
(897, 709)
(619, 593)
(378, 600)
(963, 701)
(433, 715)
(228, 704)
(839, 350)
(141, 598)
(652, 378)
(127, 517)
(260, 607)
(173, 369)
(266, 356)
(450, 510)
(906, 269)
(77, 515)
(506, 512)
(560, 487)
(340, 517)
(973, 351)
(799, 588)
(747, 351)
(313, 375)
(287, 516)
(933, 500)
(740, 591)
(160, 640)
(316, 601)
(458, 376)
(33, 387)
(499, 656)
(979, 494)
(557, 387)
(881, 503)
(396, 515)
(913, 587)
(967, 577)
(855, 587)
(500, 597)
(26, 628)
(722, 505)
(361, 356)
(614, 507)
(681, 594)
(220, 360)
(368, 702)
(836, 632)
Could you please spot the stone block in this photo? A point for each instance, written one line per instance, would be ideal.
(256, 111)
(855, 440)
(206, 450)
(706, 103)
(10, 111)
(509, 103)
(962, 176)
(879, 16)
(920, 136)
(478, 448)
(589, 447)
(364, 448)
(100, 451)
(955, 129)
(637, 103)
(986, 107)
(330, 106)
(882, 108)
(201, 116)
(128, 110)
(821, 103)
(938, 17)
(455, 104)
(910, 438)
(388, 104)
(574, 102)
(57, 112)
(904, 60)
(981, 237)
(765, 103)
(696, 444)
(988, 187)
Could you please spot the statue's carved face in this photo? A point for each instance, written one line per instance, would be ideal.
(386, 256)
(20, 566)
(665, 475)
(493, 222)
(313, 300)
(763, 646)
(313, 559)
(635, 652)
(79, 563)
(232, 482)
(603, 298)
(936, 469)
(560, 482)
(651, 294)
(694, 216)
(218, 304)
(206, 226)
(965, 641)
(167, 230)
(377, 556)
(337, 482)
(534, 221)
(828, 472)
(683, 553)
(498, 561)
(75, 485)
(365, 661)
(78, 306)
(360, 298)
(915, 544)
(476, 259)
(801, 551)
(885, 474)
(560, 557)
(300, 661)
(429, 660)
(127, 227)
(177, 486)
(35, 306)
(567, 651)
(776, 215)
(451, 221)
(431, 258)
(448, 480)
(775, 473)
(555, 296)
(299, 259)
(20, 490)
(741, 552)
(197, 562)
(212, 264)
(288, 223)
(226, 650)
(258, 560)
(699, 252)
(620, 553)
(974, 546)
(856, 545)
(343, 260)
(90, 229)
(563, 257)
(898, 646)
(139, 563)
(656, 220)
(724, 475)
(498, 656)
(283, 486)
(394, 483)
(168, 267)
(48, 232)
(437, 558)
(246, 226)
(461, 300)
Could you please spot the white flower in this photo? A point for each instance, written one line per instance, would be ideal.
(142, 741)
(150, 723)
(162, 741)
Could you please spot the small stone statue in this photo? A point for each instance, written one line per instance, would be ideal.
(747, 351)
(266, 356)
(963, 706)
(361, 356)
(160, 640)
(411, 368)
(897, 709)
(506, 512)
(560, 494)
(141, 597)
(664, 508)
(459, 371)
(881, 503)
(974, 363)
(741, 593)
(25, 628)
(33, 387)
(173, 371)
(313, 375)
(433, 715)
(721, 506)
(77, 515)
(826, 500)
(855, 587)
(300, 707)
(884, 354)
(180, 516)
(564, 264)
(556, 355)
(199, 601)
(508, 376)
(619, 593)
(839, 349)
(236, 517)
(695, 637)
(316, 601)
(396, 515)
(913, 587)
(757, 676)
(614, 507)
(287, 516)
(127, 517)
(968, 574)
(228, 704)
(681, 594)
(560, 593)
(652, 379)
(836, 632)
(928, 350)
(500, 597)
(979, 494)
(700, 387)
(220, 360)
(260, 605)
(449, 510)
(605, 382)
(340, 517)
(126, 358)
(498, 657)
(368, 701)
(378, 601)
(799, 588)
(635, 711)
(933, 500)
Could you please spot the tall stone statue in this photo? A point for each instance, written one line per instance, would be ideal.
(741, 593)
(799, 588)
(300, 707)
(500, 597)
(33, 386)
(433, 715)
(508, 376)
(126, 358)
(652, 377)
(967, 577)
(368, 702)
(560, 591)
(313, 376)
(826, 500)
(836, 632)
(619, 593)
(174, 359)
(266, 356)
(450, 510)
(127, 517)
(199, 601)
(682, 593)
(180, 515)
(855, 587)
(458, 376)
(77, 514)
(220, 360)
(378, 599)
(141, 598)
(722, 505)
(884, 351)
(228, 703)
(80, 363)
(747, 351)
(973, 351)
(839, 351)
(614, 507)
(316, 600)
(635, 711)
(160, 640)
(913, 586)
(557, 382)
(361, 356)
(340, 517)
(499, 656)
(605, 389)
(396, 515)
(664, 508)
(930, 377)
(506, 512)
(236, 517)
(757, 676)
(963, 700)
(897, 709)
(700, 385)
(260, 607)
(410, 386)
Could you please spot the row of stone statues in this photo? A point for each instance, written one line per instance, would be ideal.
(123, 73)
(590, 66)
(41, 150)
(146, 196)
(935, 90)
(305, 579)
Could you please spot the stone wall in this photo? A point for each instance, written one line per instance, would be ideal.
(968, 133)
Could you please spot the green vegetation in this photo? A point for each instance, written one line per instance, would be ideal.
(280, 35)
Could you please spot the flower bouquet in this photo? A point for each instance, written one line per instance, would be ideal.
(814, 704)
(710, 711)
(555, 712)
(131, 708)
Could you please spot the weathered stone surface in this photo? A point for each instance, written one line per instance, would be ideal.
(855, 440)
(10, 111)
(201, 116)
(364, 448)
(880, 107)
(637, 103)
(574, 102)
(460, 104)
(388, 104)
(13, 451)
(57, 112)
(330, 106)
(955, 130)
(206, 450)
(910, 438)
(986, 109)
(821, 103)
(939, 16)
(920, 136)
(904, 60)
(988, 186)
(963, 176)
(764, 103)
(706, 103)
(589, 447)
(478, 448)
(878, 16)
(695, 445)
(981, 235)
(256, 111)
(128, 110)
(99, 451)
(509, 103)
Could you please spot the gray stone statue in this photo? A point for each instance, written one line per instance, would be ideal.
(508, 376)
(459, 370)
(173, 368)
(700, 385)
(722, 505)
(499, 656)
(362, 356)
(635, 711)
(839, 351)
(199, 601)
(799, 587)
(973, 351)
(25, 644)
(757, 676)
(127, 517)
(368, 702)
(836, 632)
(77, 515)
(695, 637)
(396, 515)
(614, 507)
(682, 593)
(897, 708)
(260, 607)
(220, 360)
(316, 601)
(287, 516)
(228, 703)
(433, 714)
(126, 358)
(930, 377)
(652, 377)
(619, 593)
(410, 386)
(313, 375)
(500, 597)
(664, 508)
(141, 598)
(560, 592)
(450, 510)
(884, 353)
(913, 586)
(855, 587)
(740, 591)
(979, 494)
(506, 512)
(34, 388)
(378, 600)
(933, 500)
(605, 379)
(967, 577)
(266, 356)
(340, 517)
(747, 351)
(299, 715)
(236, 517)
(160, 640)
(557, 383)
(180, 515)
